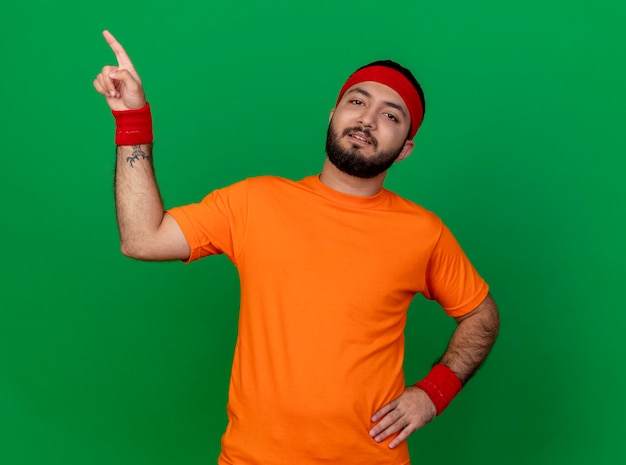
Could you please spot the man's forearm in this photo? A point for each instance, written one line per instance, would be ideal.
(138, 202)
(472, 340)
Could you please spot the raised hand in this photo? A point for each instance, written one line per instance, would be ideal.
(120, 85)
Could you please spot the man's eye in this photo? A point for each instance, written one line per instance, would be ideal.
(391, 117)
(356, 102)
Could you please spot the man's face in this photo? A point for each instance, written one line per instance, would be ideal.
(368, 130)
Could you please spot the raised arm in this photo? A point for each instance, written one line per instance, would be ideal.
(146, 231)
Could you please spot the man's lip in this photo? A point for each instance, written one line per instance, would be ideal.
(360, 137)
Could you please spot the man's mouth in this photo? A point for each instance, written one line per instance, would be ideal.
(360, 137)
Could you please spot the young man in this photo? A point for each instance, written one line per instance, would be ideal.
(328, 267)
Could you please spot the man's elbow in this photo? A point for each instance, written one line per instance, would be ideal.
(486, 317)
(491, 318)
(133, 250)
(154, 251)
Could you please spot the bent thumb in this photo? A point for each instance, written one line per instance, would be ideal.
(124, 76)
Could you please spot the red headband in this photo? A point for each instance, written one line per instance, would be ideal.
(398, 82)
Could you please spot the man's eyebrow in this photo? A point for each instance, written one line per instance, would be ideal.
(396, 106)
(367, 94)
(360, 91)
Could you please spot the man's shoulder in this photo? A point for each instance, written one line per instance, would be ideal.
(405, 204)
(257, 183)
(268, 180)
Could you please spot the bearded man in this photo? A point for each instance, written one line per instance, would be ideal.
(328, 266)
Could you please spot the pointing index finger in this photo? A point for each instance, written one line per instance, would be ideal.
(122, 57)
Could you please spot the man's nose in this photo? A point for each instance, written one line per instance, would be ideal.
(367, 118)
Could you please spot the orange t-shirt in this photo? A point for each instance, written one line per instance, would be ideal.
(326, 280)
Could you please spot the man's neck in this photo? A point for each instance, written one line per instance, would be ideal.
(351, 185)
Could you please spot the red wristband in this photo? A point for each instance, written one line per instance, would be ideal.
(441, 385)
(134, 127)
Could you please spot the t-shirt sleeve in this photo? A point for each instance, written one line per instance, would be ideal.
(451, 279)
(217, 224)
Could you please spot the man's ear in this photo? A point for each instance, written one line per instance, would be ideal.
(332, 112)
(406, 149)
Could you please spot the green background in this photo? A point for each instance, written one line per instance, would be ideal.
(105, 360)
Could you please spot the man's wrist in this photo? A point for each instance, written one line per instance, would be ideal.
(133, 127)
(441, 385)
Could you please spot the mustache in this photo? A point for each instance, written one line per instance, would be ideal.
(364, 131)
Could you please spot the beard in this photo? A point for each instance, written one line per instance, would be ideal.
(354, 163)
